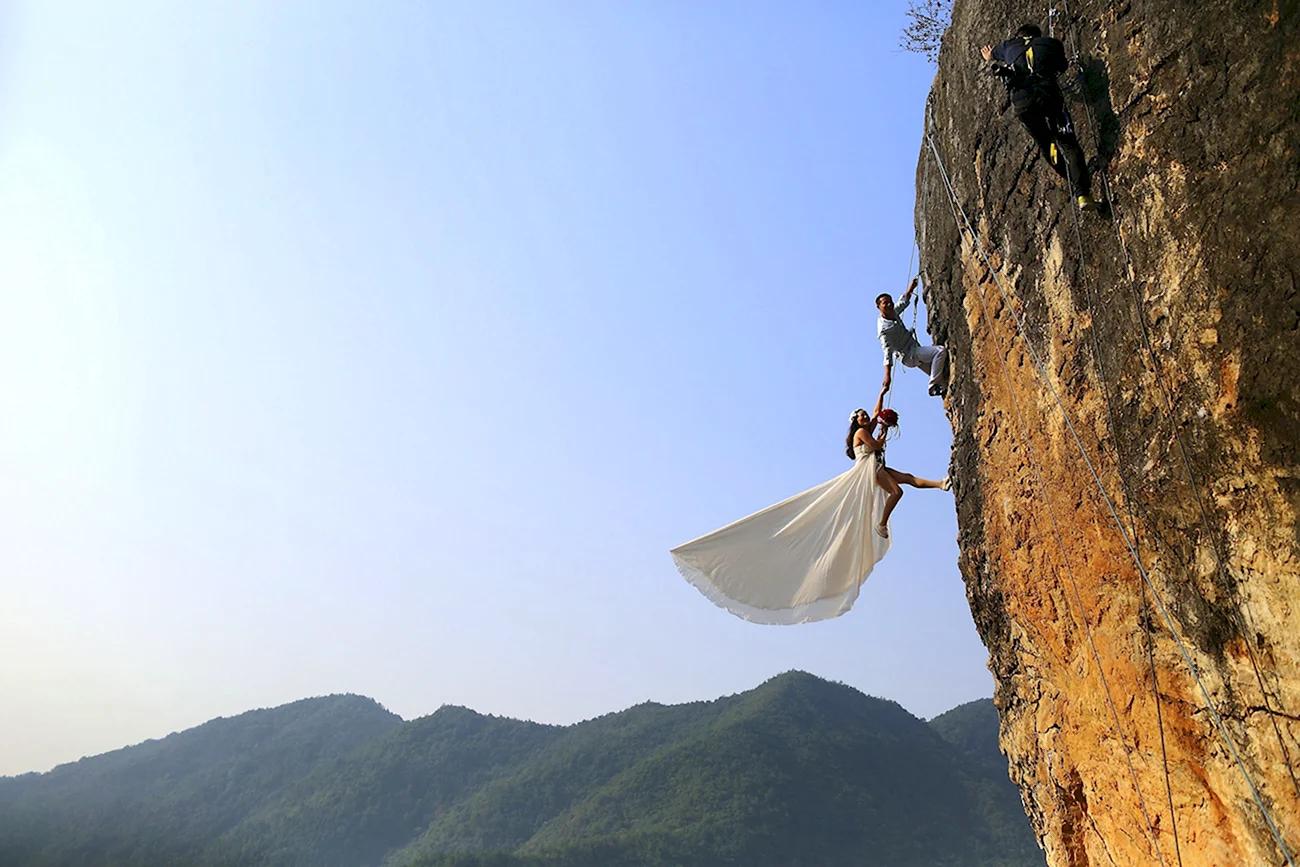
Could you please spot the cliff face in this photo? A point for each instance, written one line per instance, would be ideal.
(1179, 373)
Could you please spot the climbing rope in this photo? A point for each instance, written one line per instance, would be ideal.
(915, 253)
(916, 302)
(1146, 578)
(1093, 128)
(1113, 430)
(889, 395)
(1231, 579)
(1056, 530)
(1038, 364)
(1160, 719)
(925, 203)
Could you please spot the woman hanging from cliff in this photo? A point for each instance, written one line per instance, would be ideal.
(861, 434)
(806, 557)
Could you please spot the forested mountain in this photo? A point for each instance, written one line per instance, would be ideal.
(165, 800)
(796, 772)
(973, 729)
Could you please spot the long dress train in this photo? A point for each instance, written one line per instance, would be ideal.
(800, 560)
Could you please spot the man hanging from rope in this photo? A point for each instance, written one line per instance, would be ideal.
(1028, 63)
(897, 339)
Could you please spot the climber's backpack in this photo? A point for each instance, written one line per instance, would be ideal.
(1033, 65)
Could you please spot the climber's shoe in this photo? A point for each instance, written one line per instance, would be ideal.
(937, 390)
(1088, 203)
(883, 530)
(946, 484)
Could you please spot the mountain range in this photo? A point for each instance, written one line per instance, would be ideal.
(798, 771)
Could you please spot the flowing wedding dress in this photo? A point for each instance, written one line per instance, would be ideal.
(800, 560)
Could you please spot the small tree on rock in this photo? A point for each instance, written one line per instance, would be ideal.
(928, 20)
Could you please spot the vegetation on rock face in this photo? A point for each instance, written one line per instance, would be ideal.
(797, 771)
(927, 21)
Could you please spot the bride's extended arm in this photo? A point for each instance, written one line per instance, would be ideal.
(870, 429)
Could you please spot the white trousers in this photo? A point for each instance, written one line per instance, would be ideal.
(932, 359)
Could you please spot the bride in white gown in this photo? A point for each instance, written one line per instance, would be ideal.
(805, 558)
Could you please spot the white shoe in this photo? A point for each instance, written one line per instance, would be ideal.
(946, 484)
(883, 530)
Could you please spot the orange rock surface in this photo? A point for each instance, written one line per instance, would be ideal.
(1156, 348)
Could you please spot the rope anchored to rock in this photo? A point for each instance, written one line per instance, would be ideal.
(964, 225)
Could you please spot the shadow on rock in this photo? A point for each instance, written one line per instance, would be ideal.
(1092, 86)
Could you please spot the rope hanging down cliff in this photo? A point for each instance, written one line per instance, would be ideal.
(1056, 533)
(1231, 580)
(1144, 617)
(911, 257)
(1112, 425)
(1146, 578)
(914, 255)
(1113, 429)
(1084, 277)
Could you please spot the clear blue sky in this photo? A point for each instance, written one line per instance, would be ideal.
(390, 351)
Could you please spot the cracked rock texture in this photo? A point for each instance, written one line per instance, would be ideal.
(1179, 375)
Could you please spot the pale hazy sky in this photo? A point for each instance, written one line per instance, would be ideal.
(388, 347)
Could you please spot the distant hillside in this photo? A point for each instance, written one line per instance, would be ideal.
(356, 810)
(165, 801)
(973, 729)
(796, 772)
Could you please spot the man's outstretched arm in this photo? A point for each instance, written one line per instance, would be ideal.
(995, 64)
(906, 298)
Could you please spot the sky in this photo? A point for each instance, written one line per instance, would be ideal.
(388, 348)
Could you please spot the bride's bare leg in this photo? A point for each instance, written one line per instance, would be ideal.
(909, 479)
(893, 493)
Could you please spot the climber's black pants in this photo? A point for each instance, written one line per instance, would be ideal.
(1050, 125)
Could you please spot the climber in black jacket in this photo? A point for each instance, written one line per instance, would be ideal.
(1029, 63)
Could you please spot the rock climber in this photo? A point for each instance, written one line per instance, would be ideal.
(1028, 63)
(898, 340)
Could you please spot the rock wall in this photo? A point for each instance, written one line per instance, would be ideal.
(1168, 337)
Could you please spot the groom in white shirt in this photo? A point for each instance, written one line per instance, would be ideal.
(896, 339)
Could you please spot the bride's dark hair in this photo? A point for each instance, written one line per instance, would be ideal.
(853, 428)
